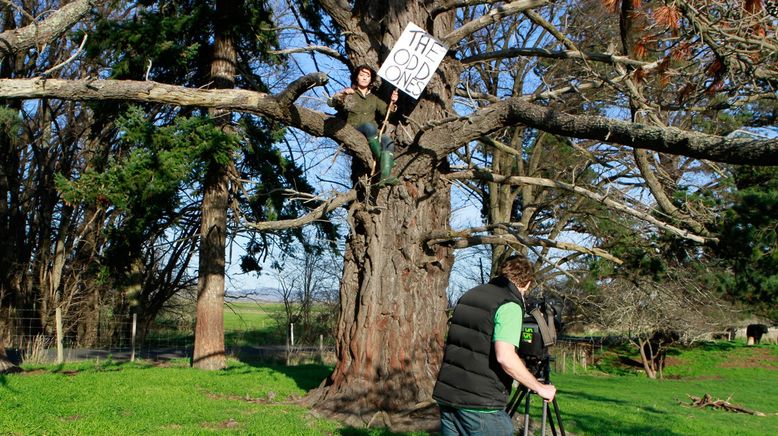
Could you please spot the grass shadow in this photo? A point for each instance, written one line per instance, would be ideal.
(593, 424)
(306, 376)
(591, 397)
(718, 345)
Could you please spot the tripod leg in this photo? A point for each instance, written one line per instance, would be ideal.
(526, 414)
(513, 404)
(551, 423)
(558, 417)
(544, 417)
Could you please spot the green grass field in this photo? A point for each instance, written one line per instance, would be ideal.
(598, 403)
(245, 323)
(249, 323)
(173, 399)
(111, 398)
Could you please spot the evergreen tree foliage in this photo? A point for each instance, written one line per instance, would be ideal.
(171, 42)
(749, 240)
(148, 186)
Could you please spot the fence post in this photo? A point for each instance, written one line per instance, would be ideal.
(575, 357)
(132, 337)
(564, 362)
(287, 348)
(321, 348)
(60, 346)
(291, 333)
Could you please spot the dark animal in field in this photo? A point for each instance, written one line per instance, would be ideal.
(756, 331)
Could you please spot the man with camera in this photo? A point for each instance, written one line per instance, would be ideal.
(480, 360)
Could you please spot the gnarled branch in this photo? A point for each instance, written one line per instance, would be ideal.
(468, 238)
(316, 214)
(310, 121)
(607, 58)
(299, 86)
(316, 48)
(447, 136)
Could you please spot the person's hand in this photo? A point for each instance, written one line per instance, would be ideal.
(547, 392)
(394, 96)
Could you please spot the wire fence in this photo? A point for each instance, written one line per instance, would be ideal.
(30, 340)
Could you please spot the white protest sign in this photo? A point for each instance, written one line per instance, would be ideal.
(413, 60)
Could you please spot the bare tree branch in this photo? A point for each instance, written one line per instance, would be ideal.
(317, 48)
(663, 200)
(450, 135)
(310, 121)
(454, 4)
(59, 22)
(492, 16)
(316, 214)
(299, 86)
(610, 203)
(607, 58)
(468, 238)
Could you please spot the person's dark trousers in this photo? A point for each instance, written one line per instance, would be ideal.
(383, 152)
(371, 133)
(456, 422)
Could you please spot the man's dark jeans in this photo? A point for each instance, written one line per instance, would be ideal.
(455, 421)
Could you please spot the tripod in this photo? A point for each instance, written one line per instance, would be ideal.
(541, 372)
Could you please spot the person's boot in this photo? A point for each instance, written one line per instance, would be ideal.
(387, 163)
(375, 146)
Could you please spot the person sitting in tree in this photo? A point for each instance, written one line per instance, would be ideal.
(365, 111)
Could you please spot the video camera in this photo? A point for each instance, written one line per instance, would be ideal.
(538, 331)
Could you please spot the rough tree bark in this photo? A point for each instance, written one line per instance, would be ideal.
(209, 350)
(392, 321)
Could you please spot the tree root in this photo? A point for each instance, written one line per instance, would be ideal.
(707, 401)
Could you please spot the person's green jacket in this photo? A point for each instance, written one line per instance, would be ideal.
(360, 109)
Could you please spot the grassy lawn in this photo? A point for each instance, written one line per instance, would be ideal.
(111, 398)
(597, 403)
(140, 399)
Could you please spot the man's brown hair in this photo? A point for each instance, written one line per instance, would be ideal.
(517, 269)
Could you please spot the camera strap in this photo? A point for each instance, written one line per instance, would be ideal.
(547, 330)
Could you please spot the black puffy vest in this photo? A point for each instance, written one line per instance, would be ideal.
(470, 376)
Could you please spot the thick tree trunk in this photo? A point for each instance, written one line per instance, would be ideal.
(6, 366)
(209, 350)
(392, 322)
(209, 328)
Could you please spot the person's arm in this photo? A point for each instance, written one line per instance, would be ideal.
(514, 366)
(336, 100)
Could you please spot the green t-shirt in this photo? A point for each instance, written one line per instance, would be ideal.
(507, 328)
(507, 324)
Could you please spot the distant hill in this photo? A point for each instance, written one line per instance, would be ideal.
(259, 295)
